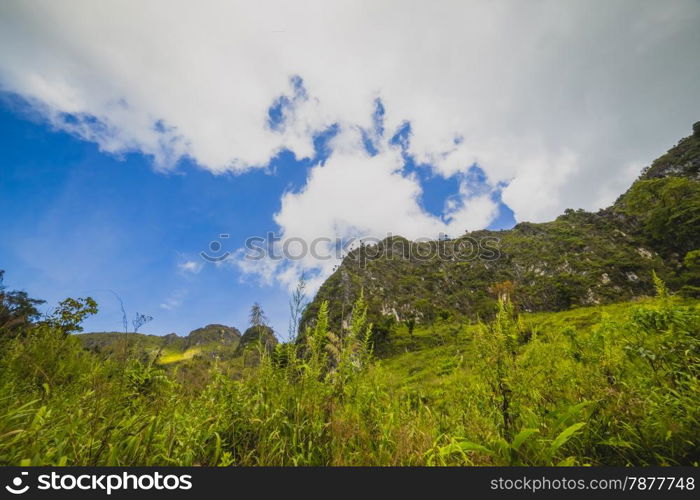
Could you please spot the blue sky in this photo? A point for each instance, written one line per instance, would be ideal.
(132, 138)
(79, 222)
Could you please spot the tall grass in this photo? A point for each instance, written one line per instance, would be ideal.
(623, 389)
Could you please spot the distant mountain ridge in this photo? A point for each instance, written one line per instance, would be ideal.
(215, 339)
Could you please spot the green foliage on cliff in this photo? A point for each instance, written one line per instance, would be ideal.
(668, 210)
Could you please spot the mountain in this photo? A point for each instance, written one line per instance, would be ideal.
(103, 342)
(209, 341)
(579, 259)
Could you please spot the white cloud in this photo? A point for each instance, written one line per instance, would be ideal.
(174, 300)
(557, 97)
(190, 266)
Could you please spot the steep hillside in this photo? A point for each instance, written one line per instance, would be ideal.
(579, 259)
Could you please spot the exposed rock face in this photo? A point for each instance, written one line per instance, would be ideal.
(578, 259)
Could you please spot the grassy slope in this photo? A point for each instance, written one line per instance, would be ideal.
(177, 356)
(436, 357)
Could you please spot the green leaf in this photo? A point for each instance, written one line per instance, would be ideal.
(617, 442)
(523, 436)
(571, 412)
(469, 446)
(564, 436)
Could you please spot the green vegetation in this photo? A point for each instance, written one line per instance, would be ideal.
(669, 226)
(613, 384)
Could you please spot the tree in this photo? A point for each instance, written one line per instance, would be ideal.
(257, 316)
(70, 313)
(16, 307)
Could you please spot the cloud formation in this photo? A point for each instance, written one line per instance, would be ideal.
(190, 266)
(562, 101)
(174, 300)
